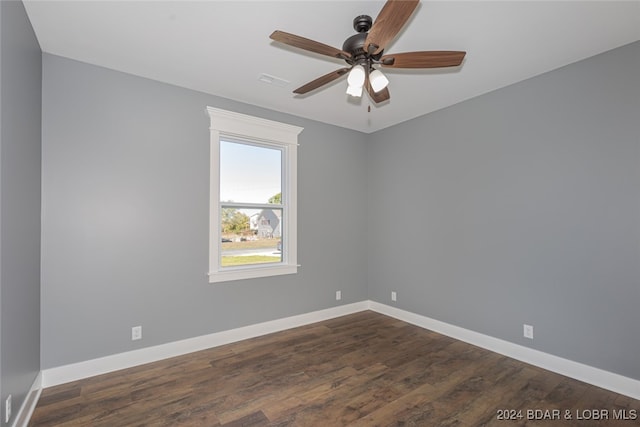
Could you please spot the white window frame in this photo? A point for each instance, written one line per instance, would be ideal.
(242, 127)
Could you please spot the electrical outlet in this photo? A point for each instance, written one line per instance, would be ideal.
(7, 409)
(528, 331)
(338, 295)
(394, 296)
(136, 333)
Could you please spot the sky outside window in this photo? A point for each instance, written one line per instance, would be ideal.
(249, 173)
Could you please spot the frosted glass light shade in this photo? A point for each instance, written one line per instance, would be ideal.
(356, 76)
(354, 91)
(378, 80)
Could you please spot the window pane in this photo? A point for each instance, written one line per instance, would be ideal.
(249, 174)
(250, 236)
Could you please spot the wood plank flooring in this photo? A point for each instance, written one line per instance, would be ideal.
(364, 369)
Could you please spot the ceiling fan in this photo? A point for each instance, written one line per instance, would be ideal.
(365, 50)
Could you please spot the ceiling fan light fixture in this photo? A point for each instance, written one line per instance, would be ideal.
(378, 80)
(356, 76)
(354, 91)
(355, 80)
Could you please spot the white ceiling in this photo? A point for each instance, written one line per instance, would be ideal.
(222, 47)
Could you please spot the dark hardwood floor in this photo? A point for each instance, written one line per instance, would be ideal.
(364, 369)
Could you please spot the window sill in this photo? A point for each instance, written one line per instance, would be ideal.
(251, 273)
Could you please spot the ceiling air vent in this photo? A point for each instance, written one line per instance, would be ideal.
(273, 80)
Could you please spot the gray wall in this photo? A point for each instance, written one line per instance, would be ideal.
(20, 105)
(520, 206)
(125, 217)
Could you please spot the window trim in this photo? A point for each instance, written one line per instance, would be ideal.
(247, 128)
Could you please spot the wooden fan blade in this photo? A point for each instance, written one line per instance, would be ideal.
(307, 44)
(388, 24)
(377, 97)
(427, 59)
(320, 81)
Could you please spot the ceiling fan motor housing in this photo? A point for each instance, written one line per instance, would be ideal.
(355, 44)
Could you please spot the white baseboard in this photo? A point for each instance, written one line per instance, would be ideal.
(23, 416)
(588, 374)
(103, 365)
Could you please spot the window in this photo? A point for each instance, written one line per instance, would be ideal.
(252, 229)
